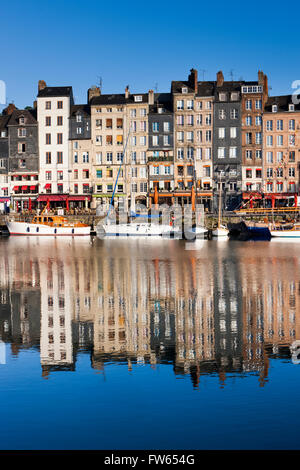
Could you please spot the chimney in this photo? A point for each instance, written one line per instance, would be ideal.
(260, 77)
(150, 97)
(92, 92)
(193, 80)
(10, 109)
(220, 78)
(41, 85)
(127, 92)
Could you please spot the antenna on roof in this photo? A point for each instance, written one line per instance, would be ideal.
(156, 87)
(100, 82)
(231, 74)
(203, 73)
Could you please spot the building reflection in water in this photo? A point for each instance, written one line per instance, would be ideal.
(222, 309)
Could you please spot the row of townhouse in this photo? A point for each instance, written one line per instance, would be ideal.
(201, 135)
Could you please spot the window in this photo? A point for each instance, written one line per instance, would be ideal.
(270, 187)
(249, 154)
(180, 153)
(99, 139)
(75, 174)
(155, 140)
(21, 148)
(248, 121)
(258, 120)
(143, 112)
(222, 96)
(109, 140)
(280, 140)
(291, 107)
(190, 153)
(270, 157)
(166, 140)
(269, 172)
(274, 108)
(221, 152)
(59, 138)
(222, 114)
(269, 125)
(85, 174)
(109, 157)
(180, 136)
(232, 152)
(249, 104)
(78, 130)
(48, 175)
(249, 173)
(180, 104)
(190, 136)
(190, 104)
(208, 119)
(221, 132)
(48, 158)
(22, 132)
(155, 126)
(292, 124)
(109, 188)
(167, 127)
(59, 105)
(258, 173)
(99, 158)
(199, 153)
(99, 188)
(143, 126)
(59, 157)
(292, 171)
(258, 104)
(59, 120)
(60, 188)
(279, 172)
(133, 113)
(269, 140)
(279, 125)
(208, 136)
(279, 156)
(258, 138)
(180, 120)
(233, 132)
(292, 139)
(60, 175)
(48, 139)
(279, 187)
(234, 113)
(208, 153)
(85, 157)
(48, 105)
(75, 157)
(99, 173)
(292, 156)
(190, 120)
(258, 154)
(48, 121)
(248, 137)
(234, 96)
(138, 98)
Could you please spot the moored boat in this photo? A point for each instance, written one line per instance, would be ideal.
(242, 231)
(286, 231)
(49, 225)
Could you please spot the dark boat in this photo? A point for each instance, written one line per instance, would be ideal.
(242, 231)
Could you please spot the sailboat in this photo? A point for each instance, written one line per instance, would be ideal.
(221, 230)
(133, 228)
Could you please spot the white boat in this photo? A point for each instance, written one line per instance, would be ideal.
(221, 232)
(48, 225)
(136, 229)
(195, 232)
(286, 231)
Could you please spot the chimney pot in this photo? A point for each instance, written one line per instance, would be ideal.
(220, 78)
(127, 92)
(41, 85)
(150, 97)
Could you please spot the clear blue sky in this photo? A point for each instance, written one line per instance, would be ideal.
(144, 44)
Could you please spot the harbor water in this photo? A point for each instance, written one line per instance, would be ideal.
(149, 344)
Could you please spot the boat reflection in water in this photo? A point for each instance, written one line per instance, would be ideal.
(214, 310)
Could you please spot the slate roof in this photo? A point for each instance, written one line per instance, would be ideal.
(14, 117)
(55, 91)
(3, 121)
(282, 103)
(115, 99)
(84, 108)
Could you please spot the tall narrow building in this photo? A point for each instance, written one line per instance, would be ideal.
(53, 113)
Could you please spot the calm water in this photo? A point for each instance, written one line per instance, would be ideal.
(149, 344)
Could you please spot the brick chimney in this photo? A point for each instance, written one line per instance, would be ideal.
(10, 109)
(92, 92)
(127, 92)
(260, 77)
(220, 78)
(193, 80)
(41, 85)
(150, 97)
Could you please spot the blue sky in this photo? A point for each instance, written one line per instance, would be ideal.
(144, 45)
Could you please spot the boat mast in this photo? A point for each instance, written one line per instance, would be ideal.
(119, 170)
(220, 200)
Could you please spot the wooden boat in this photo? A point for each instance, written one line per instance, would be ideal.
(49, 225)
(286, 231)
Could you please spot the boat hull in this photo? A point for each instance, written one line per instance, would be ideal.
(220, 233)
(286, 234)
(136, 230)
(195, 232)
(28, 229)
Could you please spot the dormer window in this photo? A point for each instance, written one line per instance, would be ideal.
(274, 108)
(184, 89)
(222, 96)
(78, 118)
(234, 96)
(138, 98)
(291, 107)
(21, 120)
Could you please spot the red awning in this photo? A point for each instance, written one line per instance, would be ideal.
(52, 197)
(16, 188)
(32, 188)
(47, 186)
(79, 198)
(24, 187)
(3, 189)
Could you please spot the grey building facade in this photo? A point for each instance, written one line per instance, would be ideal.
(227, 143)
(80, 122)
